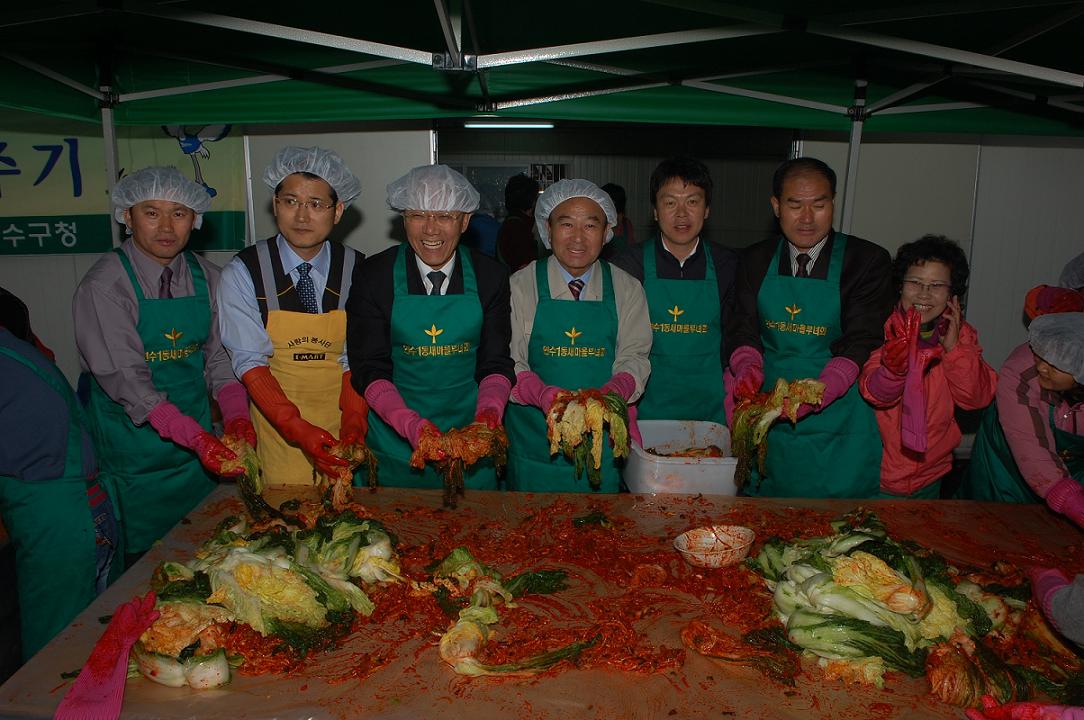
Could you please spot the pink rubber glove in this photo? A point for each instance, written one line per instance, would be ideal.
(838, 375)
(493, 394)
(530, 390)
(634, 429)
(622, 383)
(1044, 583)
(233, 401)
(884, 385)
(177, 427)
(913, 435)
(1023, 711)
(384, 399)
(98, 692)
(747, 365)
(1067, 498)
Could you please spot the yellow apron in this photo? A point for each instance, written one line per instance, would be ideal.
(305, 359)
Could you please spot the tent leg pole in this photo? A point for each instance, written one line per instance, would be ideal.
(109, 135)
(854, 146)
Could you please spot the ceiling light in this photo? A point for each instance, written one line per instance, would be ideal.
(506, 125)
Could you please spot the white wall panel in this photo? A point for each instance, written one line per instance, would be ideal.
(1027, 226)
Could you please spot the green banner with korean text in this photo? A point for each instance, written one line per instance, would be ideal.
(54, 192)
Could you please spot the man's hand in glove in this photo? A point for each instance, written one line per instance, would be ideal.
(177, 427)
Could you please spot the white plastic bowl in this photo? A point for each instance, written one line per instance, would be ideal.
(715, 546)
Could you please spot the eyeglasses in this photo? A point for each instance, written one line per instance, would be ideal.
(317, 205)
(440, 218)
(935, 288)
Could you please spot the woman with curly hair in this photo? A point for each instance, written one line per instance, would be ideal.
(930, 363)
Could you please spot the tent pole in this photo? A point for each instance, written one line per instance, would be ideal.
(109, 135)
(850, 180)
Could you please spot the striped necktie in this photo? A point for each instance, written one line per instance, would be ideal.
(803, 265)
(575, 287)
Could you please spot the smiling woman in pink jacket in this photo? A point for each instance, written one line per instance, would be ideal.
(930, 363)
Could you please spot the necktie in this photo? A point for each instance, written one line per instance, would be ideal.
(575, 287)
(803, 265)
(437, 278)
(306, 290)
(164, 290)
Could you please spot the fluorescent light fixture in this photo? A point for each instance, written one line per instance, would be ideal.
(506, 125)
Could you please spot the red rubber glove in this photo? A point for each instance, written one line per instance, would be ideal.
(489, 418)
(355, 418)
(233, 401)
(1023, 711)
(174, 425)
(900, 333)
(315, 442)
(98, 692)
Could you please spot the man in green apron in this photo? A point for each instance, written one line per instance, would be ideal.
(147, 331)
(576, 323)
(428, 330)
(1030, 445)
(811, 304)
(59, 518)
(689, 285)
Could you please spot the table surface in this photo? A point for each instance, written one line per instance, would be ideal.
(415, 683)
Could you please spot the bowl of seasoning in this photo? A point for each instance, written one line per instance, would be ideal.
(715, 546)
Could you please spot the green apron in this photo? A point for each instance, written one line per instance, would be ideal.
(833, 453)
(434, 340)
(157, 481)
(992, 474)
(573, 345)
(50, 525)
(686, 367)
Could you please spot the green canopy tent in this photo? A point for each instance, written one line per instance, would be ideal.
(982, 67)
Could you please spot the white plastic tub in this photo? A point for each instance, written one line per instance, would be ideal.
(649, 473)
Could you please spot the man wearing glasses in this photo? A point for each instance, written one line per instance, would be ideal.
(811, 304)
(284, 324)
(429, 328)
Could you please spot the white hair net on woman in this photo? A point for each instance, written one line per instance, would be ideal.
(1072, 275)
(433, 188)
(324, 164)
(1058, 338)
(160, 183)
(563, 190)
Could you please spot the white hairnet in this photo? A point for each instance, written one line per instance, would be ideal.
(563, 190)
(433, 188)
(160, 183)
(324, 164)
(1072, 275)
(1058, 338)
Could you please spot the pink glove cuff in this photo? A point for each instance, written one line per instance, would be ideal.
(384, 399)
(884, 385)
(838, 375)
(1044, 583)
(1067, 498)
(634, 428)
(622, 383)
(744, 358)
(528, 388)
(493, 394)
(233, 401)
(174, 425)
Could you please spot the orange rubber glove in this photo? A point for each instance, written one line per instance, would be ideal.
(355, 419)
(316, 442)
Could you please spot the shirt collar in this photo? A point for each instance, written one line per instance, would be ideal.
(586, 277)
(446, 268)
(690, 256)
(290, 259)
(812, 252)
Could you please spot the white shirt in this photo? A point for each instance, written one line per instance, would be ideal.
(812, 252)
